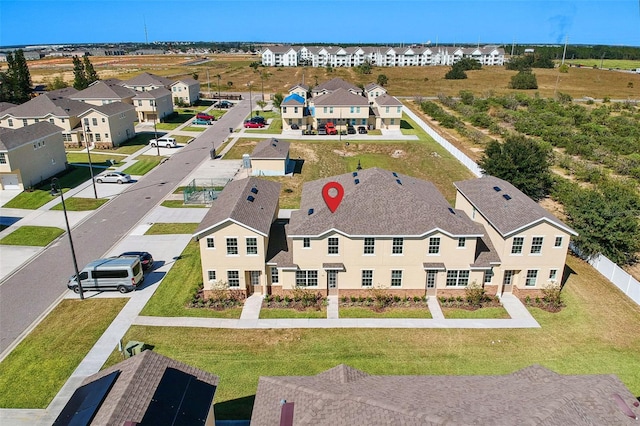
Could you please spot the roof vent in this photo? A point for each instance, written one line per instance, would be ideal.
(497, 188)
(354, 174)
(309, 212)
(356, 181)
(398, 181)
(254, 190)
(274, 145)
(251, 198)
(395, 174)
(506, 196)
(452, 211)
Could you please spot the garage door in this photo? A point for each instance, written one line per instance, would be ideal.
(10, 182)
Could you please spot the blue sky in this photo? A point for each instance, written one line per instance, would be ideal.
(616, 22)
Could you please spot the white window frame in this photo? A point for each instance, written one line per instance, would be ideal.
(369, 249)
(521, 245)
(559, 238)
(536, 243)
(211, 275)
(532, 274)
(397, 246)
(232, 280)
(275, 275)
(306, 242)
(396, 276)
(307, 278)
(366, 278)
(507, 277)
(253, 246)
(230, 247)
(211, 243)
(457, 278)
(553, 274)
(462, 242)
(434, 246)
(333, 246)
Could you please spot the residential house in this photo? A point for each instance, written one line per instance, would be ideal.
(301, 90)
(388, 112)
(339, 106)
(30, 155)
(333, 85)
(146, 389)
(153, 105)
(373, 90)
(185, 91)
(343, 396)
(389, 230)
(107, 126)
(293, 110)
(271, 158)
(531, 242)
(234, 235)
(145, 82)
(103, 92)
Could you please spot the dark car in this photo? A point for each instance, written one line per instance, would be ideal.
(207, 117)
(362, 130)
(294, 126)
(351, 130)
(224, 104)
(258, 119)
(145, 258)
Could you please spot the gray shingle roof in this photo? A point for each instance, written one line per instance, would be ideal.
(147, 79)
(110, 109)
(335, 84)
(271, 149)
(103, 90)
(340, 97)
(160, 92)
(6, 105)
(533, 395)
(188, 82)
(372, 86)
(279, 250)
(387, 100)
(43, 105)
(13, 138)
(233, 204)
(382, 204)
(134, 388)
(510, 215)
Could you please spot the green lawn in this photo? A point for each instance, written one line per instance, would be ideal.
(98, 160)
(178, 287)
(80, 204)
(41, 194)
(143, 165)
(266, 313)
(483, 313)
(171, 228)
(596, 334)
(183, 139)
(360, 312)
(37, 236)
(175, 204)
(36, 369)
(195, 129)
(129, 147)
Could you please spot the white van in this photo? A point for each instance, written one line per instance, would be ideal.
(122, 274)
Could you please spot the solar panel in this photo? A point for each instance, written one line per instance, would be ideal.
(251, 198)
(86, 401)
(497, 188)
(254, 190)
(179, 400)
(506, 196)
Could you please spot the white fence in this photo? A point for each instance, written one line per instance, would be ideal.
(468, 162)
(616, 275)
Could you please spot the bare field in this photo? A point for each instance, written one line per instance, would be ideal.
(235, 73)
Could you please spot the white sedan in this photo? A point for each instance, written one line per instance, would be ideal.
(113, 177)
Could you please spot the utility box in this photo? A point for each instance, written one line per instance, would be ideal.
(133, 348)
(246, 161)
(212, 153)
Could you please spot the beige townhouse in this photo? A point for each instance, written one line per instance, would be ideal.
(145, 82)
(103, 92)
(153, 104)
(185, 91)
(387, 111)
(373, 90)
(340, 107)
(294, 111)
(107, 126)
(30, 155)
(235, 233)
(531, 242)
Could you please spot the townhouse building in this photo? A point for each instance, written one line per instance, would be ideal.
(382, 56)
(153, 104)
(30, 155)
(103, 92)
(185, 91)
(390, 230)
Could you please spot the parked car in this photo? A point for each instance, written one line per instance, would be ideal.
(362, 130)
(253, 125)
(165, 141)
(203, 116)
(202, 121)
(322, 131)
(145, 258)
(351, 130)
(223, 104)
(294, 126)
(113, 177)
(258, 119)
(331, 128)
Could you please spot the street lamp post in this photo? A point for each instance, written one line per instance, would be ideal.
(155, 127)
(218, 89)
(250, 102)
(55, 188)
(86, 141)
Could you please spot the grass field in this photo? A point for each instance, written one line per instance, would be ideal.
(37, 236)
(175, 204)
(36, 369)
(483, 313)
(171, 228)
(595, 334)
(292, 313)
(359, 312)
(80, 204)
(143, 165)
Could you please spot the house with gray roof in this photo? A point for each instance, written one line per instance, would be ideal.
(146, 389)
(154, 104)
(104, 92)
(270, 157)
(185, 91)
(30, 155)
(533, 395)
(234, 235)
(531, 242)
(147, 81)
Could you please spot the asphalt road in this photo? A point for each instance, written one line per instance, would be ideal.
(28, 293)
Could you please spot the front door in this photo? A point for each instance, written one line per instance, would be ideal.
(332, 283)
(431, 282)
(254, 283)
(507, 281)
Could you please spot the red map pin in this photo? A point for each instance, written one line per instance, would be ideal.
(332, 201)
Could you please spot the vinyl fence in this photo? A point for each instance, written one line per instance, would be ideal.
(615, 274)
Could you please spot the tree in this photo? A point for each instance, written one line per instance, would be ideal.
(79, 77)
(382, 80)
(524, 80)
(521, 161)
(468, 64)
(277, 100)
(364, 68)
(15, 83)
(57, 83)
(89, 72)
(261, 104)
(455, 73)
(195, 75)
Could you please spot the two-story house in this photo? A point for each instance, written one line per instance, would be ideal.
(341, 107)
(154, 104)
(387, 111)
(185, 91)
(293, 110)
(103, 92)
(234, 235)
(30, 155)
